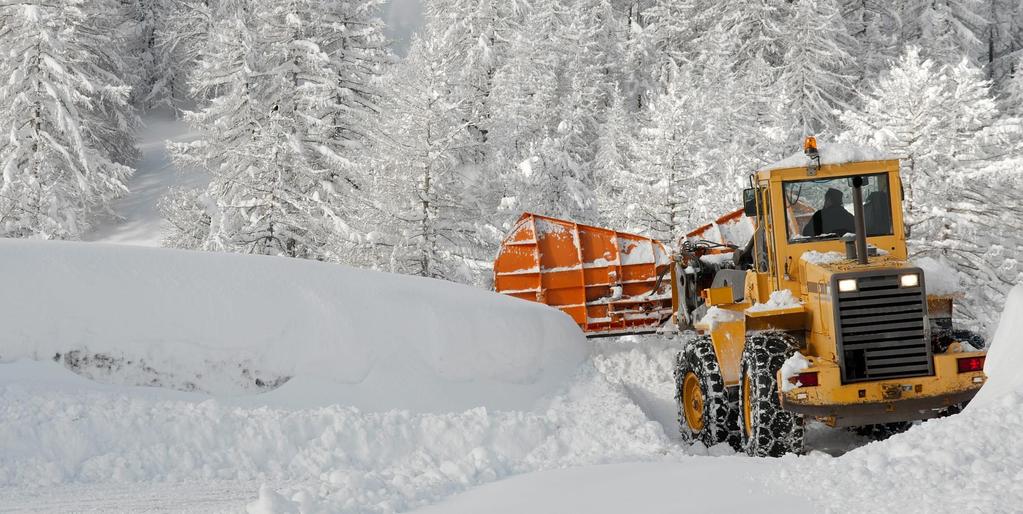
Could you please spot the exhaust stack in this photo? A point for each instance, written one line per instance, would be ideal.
(858, 222)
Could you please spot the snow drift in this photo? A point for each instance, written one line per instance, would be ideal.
(1005, 354)
(223, 323)
(59, 431)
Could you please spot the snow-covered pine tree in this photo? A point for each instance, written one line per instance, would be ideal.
(612, 161)
(475, 35)
(429, 221)
(817, 74)
(681, 171)
(942, 120)
(562, 180)
(225, 68)
(905, 113)
(1004, 39)
(1012, 100)
(169, 31)
(188, 218)
(874, 27)
(945, 30)
(671, 37)
(67, 127)
(981, 231)
(756, 25)
(155, 80)
(280, 136)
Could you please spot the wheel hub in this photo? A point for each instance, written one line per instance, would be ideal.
(692, 402)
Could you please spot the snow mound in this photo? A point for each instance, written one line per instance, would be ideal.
(822, 258)
(1005, 354)
(61, 429)
(969, 462)
(371, 340)
(832, 153)
(644, 366)
(940, 277)
(781, 299)
(717, 315)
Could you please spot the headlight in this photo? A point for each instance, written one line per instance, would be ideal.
(909, 280)
(847, 285)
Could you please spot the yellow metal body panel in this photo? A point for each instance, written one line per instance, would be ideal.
(718, 296)
(835, 397)
(729, 338)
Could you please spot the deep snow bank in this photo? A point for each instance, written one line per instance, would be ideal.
(1005, 353)
(969, 462)
(224, 323)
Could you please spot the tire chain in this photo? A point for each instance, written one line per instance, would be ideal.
(775, 431)
(720, 411)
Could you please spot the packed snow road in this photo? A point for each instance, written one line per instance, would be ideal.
(136, 218)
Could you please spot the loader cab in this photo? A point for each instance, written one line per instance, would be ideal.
(800, 209)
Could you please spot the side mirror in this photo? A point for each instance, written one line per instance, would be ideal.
(749, 202)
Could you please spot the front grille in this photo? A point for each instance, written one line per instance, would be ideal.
(882, 328)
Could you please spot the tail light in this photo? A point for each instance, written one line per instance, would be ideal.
(970, 364)
(807, 379)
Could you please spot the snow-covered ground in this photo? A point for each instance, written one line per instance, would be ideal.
(136, 219)
(476, 402)
(598, 446)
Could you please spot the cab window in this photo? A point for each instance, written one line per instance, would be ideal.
(822, 209)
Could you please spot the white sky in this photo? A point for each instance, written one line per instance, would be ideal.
(403, 18)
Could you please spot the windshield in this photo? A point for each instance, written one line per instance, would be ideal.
(823, 209)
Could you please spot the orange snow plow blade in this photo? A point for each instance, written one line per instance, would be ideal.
(733, 228)
(610, 283)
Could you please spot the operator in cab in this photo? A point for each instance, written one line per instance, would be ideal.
(832, 218)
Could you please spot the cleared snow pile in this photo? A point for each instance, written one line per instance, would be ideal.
(940, 277)
(781, 299)
(969, 462)
(790, 369)
(717, 315)
(823, 258)
(1005, 354)
(60, 429)
(644, 367)
(227, 324)
(832, 153)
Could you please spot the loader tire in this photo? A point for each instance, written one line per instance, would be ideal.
(882, 431)
(767, 430)
(967, 337)
(706, 412)
(971, 338)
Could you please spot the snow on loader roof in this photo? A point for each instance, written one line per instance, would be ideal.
(373, 340)
(832, 153)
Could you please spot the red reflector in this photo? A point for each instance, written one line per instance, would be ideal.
(808, 379)
(970, 364)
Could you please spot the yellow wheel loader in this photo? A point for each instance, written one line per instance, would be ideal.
(819, 314)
